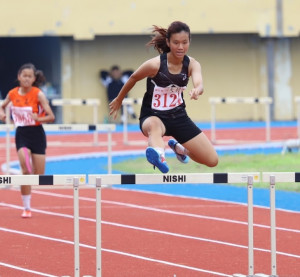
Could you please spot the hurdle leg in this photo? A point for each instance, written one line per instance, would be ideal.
(250, 231)
(273, 226)
(98, 228)
(7, 113)
(268, 124)
(250, 227)
(76, 227)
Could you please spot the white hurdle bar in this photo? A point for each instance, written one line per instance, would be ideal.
(267, 101)
(109, 128)
(46, 181)
(182, 178)
(80, 102)
(130, 101)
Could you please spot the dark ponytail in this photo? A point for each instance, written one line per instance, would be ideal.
(40, 78)
(158, 40)
(160, 36)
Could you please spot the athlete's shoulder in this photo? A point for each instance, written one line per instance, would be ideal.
(150, 66)
(35, 89)
(13, 92)
(154, 61)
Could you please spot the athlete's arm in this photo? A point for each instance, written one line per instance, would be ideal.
(195, 71)
(5, 102)
(49, 117)
(147, 69)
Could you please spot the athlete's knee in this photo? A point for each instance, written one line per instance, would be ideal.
(213, 161)
(152, 125)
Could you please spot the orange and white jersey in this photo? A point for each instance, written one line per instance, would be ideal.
(24, 105)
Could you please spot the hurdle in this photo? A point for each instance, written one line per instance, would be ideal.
(272, 178)
(125, 102)
(108, 128)
(190, 178)
(94, 102)
(266, 101)
(55, 181)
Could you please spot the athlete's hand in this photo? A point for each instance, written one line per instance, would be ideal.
(195, 93)
(114, 107)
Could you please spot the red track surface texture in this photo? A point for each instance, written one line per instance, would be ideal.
(143, 234)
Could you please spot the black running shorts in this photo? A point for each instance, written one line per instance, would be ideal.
(181, 127)
(31, 137)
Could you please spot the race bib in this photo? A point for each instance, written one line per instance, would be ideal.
(22, 116)
(167, 98)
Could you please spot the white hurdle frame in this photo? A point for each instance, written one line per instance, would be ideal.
(125, 102)
(109, 128)
(54, 181)
(80, 102)
(267, 101)
(182, 178)
(100, 181)
(272, 178)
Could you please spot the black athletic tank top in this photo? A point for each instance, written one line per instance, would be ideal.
(164, 95)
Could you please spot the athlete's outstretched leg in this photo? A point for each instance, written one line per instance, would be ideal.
(200, 150)
(154, 129)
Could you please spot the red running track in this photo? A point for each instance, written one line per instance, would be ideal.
(143, 234)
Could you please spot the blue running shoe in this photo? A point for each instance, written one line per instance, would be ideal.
(182, 158)
(156, 159)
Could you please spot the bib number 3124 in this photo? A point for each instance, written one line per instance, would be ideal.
(166, 98)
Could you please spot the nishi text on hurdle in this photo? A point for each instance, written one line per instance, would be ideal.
(5, 180)
(174, 178)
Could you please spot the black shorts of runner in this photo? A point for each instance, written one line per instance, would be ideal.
(181, 127)
(33, 138)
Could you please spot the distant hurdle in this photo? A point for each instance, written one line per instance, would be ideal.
(266, 101)
(130, 101)
(108, 128)
(93, 102)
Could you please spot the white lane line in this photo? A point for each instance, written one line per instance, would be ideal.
(26, 270)
(113, 251)
(155, 231)
(167, 211)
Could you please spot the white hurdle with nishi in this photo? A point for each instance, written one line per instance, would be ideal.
(189, 178)
(266, 101)
(55, 181)
(100, 181)
(108, 128)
